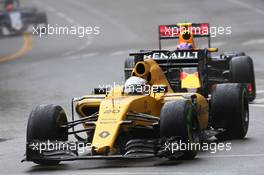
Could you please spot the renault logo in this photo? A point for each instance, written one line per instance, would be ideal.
(104, 134)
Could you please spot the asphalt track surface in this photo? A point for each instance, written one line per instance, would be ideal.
(53, 69)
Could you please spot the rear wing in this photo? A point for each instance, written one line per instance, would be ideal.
(174, 59)
(173, 31)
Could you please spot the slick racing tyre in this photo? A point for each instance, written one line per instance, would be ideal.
(242, 71)
(230, 110)
(44, 124)
(178, 120)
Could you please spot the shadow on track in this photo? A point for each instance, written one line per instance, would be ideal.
(104, 164)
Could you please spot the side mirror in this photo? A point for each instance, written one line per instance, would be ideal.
(212, 49)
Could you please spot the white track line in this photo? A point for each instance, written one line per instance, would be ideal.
(71, 21)
(90, 54)
(60, 14)
(107, 18)
(257, 105)
(260, 92)
(76, 57)
(120, 52)
(82, 47)
(74, 23)
(253, 42)
(259, 100)
(50, 9)
(232, 155)
(67, 18)
(247, 6)
(137, 173)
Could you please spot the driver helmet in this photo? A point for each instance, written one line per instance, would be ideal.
(184, 46)
(136, 85)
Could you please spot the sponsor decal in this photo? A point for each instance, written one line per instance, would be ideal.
(104, 134)
(115, 111)
(173, 55)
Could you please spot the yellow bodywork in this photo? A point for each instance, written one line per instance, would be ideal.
(115, 106)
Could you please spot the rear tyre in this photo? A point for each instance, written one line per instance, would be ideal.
(44, 124)
(242, 71)
(178, 120)
(230, 110)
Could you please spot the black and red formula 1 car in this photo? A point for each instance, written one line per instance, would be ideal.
(233, 67)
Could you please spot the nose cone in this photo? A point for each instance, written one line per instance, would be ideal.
(108, 125)
(105, 136)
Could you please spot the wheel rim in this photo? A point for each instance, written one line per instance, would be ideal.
(245, 120)
(192, 128)
(245, 115)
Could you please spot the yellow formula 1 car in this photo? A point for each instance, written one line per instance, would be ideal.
(143, 118)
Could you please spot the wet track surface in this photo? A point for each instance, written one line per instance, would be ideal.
(58, 68)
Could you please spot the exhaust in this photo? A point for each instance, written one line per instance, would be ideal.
(141, 69)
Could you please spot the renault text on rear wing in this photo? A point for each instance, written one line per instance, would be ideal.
(177, 58)
(172, 55)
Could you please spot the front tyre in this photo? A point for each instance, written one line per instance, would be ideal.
(45, 123)
(178, 120)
